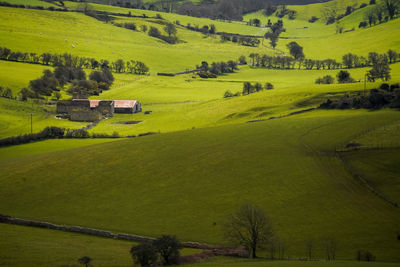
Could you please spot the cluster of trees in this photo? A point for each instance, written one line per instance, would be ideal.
(148, 253)
(69, 60)
(249, 88)
(275, 30)
(379, 62)
(223, 9)
(169, 28)
(386, 96)
(240, 39)
(206, 29)
(327, 79)
(6, 92)
(50, 83)
(282, 11)
(216, 68)
(342, 77)
(382, 12)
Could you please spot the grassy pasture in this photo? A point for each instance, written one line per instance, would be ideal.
(26, 246)
(22, 246)
(15, 118)
(261, 263)
(275, 164)
(91, 38)
(43, 147)
(17, 75)
(379, 167)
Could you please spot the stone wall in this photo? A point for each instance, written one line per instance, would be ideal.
(106, 108)
(85, 115)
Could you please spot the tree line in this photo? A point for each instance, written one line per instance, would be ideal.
(386, 96)
(49, 59)
(348, 61)
(216, 68)
(382, 12)
(51, 82)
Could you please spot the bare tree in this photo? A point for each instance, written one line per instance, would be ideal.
(330, 248)
(249, 227)
(309, 248)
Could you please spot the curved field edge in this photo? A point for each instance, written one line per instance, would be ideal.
(185, 183)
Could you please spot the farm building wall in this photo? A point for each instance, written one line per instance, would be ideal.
(85, 115)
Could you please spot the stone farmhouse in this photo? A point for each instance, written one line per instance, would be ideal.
(95, 110)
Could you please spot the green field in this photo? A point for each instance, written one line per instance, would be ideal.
(260, 152)
(205, 159)
(259, 263)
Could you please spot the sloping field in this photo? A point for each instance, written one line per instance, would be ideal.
(379, 167)
(84, 36)
(185, 183)
(262, 263)
(26, 246)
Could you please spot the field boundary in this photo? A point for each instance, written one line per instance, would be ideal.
(216, 250)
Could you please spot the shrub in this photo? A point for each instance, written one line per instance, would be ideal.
(168, 247)
(144, 254)
(313, 19)
(363, 24)
(325, 80)
(228, 94)
(344, 77)
(269, 86)
(363, 5)
(154, 32)
(47, 133)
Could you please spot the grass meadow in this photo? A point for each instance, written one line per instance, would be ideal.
(206, 160)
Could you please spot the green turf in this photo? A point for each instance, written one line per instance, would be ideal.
(26, 246)
(42, 147)
(379, 167)
(22, 246)
(26, 72)
(293, 263)
(91, 38)
(280, 165)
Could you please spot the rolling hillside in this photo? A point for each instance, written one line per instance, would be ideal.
(205, 158)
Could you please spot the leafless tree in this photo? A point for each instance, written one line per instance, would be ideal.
(309, 248)
(330, 248)
(249, 227)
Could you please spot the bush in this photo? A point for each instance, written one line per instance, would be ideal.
(363, 5)
(363, 24)
(313, 19)
(168, 247)
(47, 133)
(154, 32)
(325, 80)
(228, 94)
(144, 254)
(269, 86)
(344, 77)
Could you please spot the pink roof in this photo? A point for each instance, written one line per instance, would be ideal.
(94, 103)
(124, 103)
(117, 103)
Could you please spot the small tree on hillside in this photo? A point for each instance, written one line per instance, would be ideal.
(85, 261)
(344, 77)
(296, 50)
(249, 227)
(170, 29)
(168, 247)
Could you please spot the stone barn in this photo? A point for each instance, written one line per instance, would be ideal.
(127, 106)
(94, 110)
